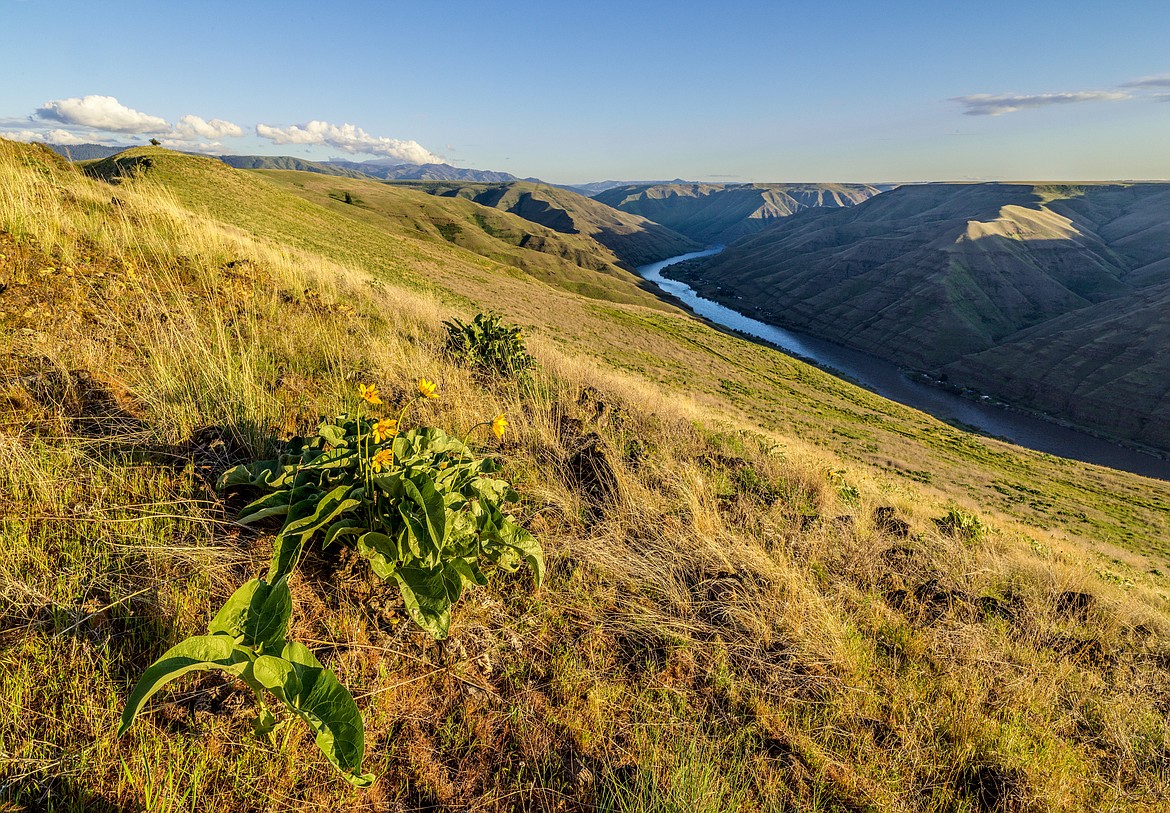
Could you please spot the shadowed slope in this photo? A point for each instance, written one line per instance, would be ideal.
(940, 275)
(634, 239)
(721, 213)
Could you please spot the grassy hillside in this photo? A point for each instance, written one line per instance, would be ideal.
(730, 620)
(369, 228)
(575, 262)
(635, 240)
(721, 213)
(424, 172)
(998, 285)
(288, 162)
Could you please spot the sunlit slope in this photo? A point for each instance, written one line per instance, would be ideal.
(370, 229)
(756, 384)
(575, 262)
(1003, 286)
(727, 624)
(634, 239)
(720, 213)
(288, 162)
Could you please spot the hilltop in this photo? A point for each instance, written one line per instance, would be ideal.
(288, 162)
(1045, 295)
(720, 213)
(766, 589)
(635, 240)
(422, 172)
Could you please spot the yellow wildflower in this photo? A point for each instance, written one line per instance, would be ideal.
(382, 459)
(499, 424)
(385, 428)
(427, 388)
(369, 394)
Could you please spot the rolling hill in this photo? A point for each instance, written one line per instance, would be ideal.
(288, 162)
(634, 239)
(573, 262)
(766, 589)
(1046, 295)
(720, 213)
(422, 172)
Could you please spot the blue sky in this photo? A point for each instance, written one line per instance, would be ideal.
(823, 90)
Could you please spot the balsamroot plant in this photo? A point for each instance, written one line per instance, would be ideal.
(425, 512)
(488, 346)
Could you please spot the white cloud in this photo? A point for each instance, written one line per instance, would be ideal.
(192, 145)
(101, 113)
(349, 138)
(58, 136)
(190, 127)
(1162, 81)
(986, 104)
(22, 135)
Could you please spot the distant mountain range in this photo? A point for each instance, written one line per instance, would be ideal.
(720, 213)
(380, 168)
(1051, 296)
(86, 152)
(597, 187)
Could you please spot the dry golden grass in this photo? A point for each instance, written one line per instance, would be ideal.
(727, 625)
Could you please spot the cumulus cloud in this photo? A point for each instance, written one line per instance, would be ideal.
(1162, 81)
(190, 127)
(348, 138)
(57, 136)
(987, 104)
(101, 113)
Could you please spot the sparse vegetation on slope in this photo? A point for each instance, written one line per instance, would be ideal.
(735, 616)
(633, 239)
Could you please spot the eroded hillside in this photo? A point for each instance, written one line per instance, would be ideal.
(721, 213)
(1047, 296)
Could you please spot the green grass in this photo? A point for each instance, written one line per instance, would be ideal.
(725, 625)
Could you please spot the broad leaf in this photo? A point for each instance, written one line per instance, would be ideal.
(329, 508)
(198, 653)
(421, 489)
(314, 694)
(256, 615)
(343, 527)
(381, 551)
(428, 594)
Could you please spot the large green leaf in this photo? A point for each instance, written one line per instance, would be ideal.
(198, 653)
(421, 489)
(278, 503)
(329, 508)
(314, 694)
(428, 594)
(526, 545)
(286, 552)
(332, 434)
(256, 615)
(382, 552)
(340, 528)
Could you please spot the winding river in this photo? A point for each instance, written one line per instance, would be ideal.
(887, 380)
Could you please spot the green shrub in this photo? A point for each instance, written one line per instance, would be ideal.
(418, 505)
(961, 525)
(488, 346)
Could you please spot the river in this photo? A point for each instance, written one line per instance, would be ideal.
(889, 381)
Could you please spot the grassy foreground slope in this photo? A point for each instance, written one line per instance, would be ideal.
(724, 627)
